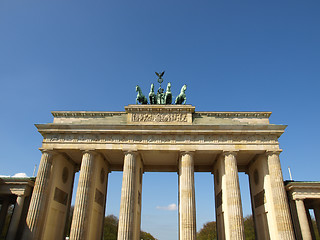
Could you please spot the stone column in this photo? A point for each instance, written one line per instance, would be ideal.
(14, 223)
(317, 216)
(37, 206)
(280, 201)
(80, 214)
(126, 216)
(233, 197)
(313, 236)
(3, 213)
(187, 205)
(303, 220)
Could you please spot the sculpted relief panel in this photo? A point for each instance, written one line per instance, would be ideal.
(159, 117)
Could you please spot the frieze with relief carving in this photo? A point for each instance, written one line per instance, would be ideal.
(161, 139)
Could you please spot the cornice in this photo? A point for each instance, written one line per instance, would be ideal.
(154, 108)
(162, 129)
(299, 186)
(139, 127)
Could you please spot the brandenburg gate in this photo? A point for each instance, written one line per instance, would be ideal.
(159, 137)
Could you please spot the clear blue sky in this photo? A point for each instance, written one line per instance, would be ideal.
(89, 55)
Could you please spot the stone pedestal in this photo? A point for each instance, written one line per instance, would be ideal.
(280, 201)
(14, 223)
(187, 205)
(37, 207)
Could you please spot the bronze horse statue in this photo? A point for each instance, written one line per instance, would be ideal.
(181, 98)
(140, 97)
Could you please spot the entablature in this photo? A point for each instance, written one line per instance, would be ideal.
(161, 114)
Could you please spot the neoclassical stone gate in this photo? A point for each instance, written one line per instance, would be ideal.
(158, 138)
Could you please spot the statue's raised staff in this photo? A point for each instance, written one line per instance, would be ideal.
(152, 95)
(160, 94)
(140, 97)
(182, 98)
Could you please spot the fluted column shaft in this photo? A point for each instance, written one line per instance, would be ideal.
(281, 207)
(14, 223)
(38, 200)
(313, 236)
(126, 217)
(81, 211)
(3, 213)
(233, 196)
(317, 216)
(187, 205)
(303, 220)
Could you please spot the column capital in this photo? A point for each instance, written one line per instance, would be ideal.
(187, 152)
(20, 193)
(48, 151)
(92, 151)
(233, 153)
(299, 199)
(273, 152)
(132, 152)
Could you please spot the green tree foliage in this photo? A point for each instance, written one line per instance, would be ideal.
(208, 231)
(110, 229)
(146, 236)
(249, 228)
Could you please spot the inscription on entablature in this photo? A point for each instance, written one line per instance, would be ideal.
(159, 117)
